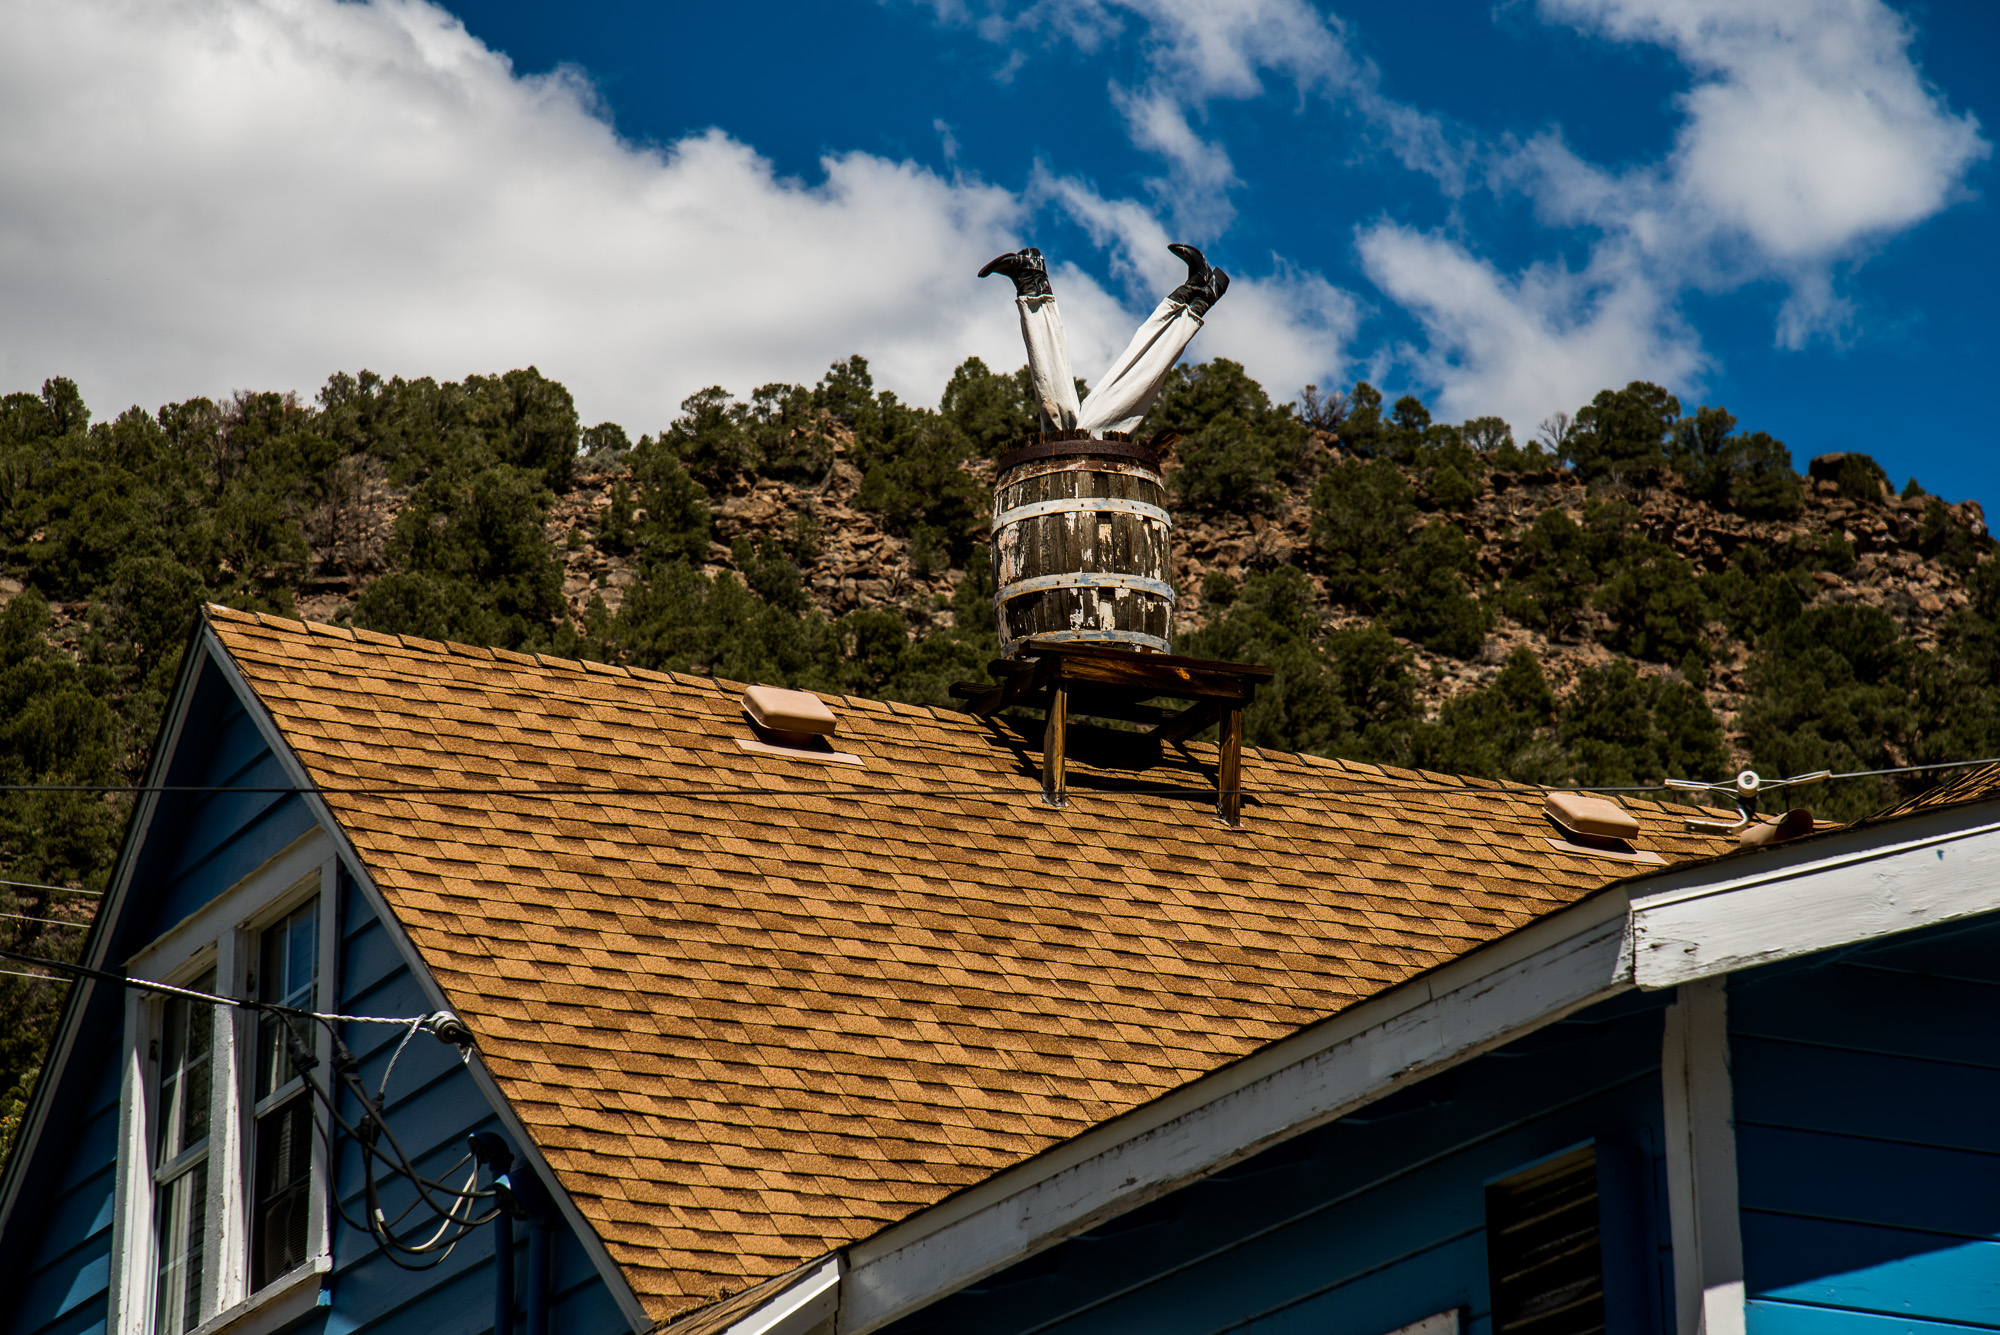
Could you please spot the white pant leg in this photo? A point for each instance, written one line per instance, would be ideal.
(1048, 362)
(1135, 379)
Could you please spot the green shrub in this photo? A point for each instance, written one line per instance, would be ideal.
(1831, 689)
(1453, 476)
(790, 438)
(1361, 431)
(1944, 540)
(1238, 450)
(994, 411)
(708, 438)
(677, 521)
(1432, 603)
(1860, 478)
(915, 477)
(1503, 730)
(472, 563)
(1553, 573)
(1361, 513)
(1621, 728)
(1622, 433)
(1656, 605)
(1350, 696)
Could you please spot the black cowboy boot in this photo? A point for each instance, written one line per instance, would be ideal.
(1204, 286)
(1025, 267)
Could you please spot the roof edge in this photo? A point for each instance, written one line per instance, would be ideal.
(602, 1261)
(1857, 883)
(1555, 965)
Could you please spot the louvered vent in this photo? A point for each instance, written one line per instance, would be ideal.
(1542, 1256)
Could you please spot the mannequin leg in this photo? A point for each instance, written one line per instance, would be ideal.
(1048, 362)
(1128, 389)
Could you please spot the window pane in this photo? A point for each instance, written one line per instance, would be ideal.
(287, 973)
(183, 1240)
(282, 1196)
(187, 1052)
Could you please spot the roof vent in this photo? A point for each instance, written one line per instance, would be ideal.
(1595, 826)
(792, 723)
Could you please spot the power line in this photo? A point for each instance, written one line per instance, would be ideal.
(1336, 788)
(39, 885)
(47, 922)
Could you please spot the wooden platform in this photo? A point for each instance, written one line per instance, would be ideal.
(1105, 682)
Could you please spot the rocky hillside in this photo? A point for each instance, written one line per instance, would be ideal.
(863, 562)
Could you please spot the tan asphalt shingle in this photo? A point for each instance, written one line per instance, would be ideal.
(754, 1008)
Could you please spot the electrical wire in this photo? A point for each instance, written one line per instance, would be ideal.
(1471, 788)
(48, 922)
(456, 1218)
(65, 889)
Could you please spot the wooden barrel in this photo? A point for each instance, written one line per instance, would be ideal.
(1080, 530)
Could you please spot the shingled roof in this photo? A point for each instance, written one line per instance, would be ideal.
(755, 1008)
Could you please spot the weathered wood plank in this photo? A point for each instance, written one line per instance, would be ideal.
(1229, 772)
(1188, 722)
(1055, 740)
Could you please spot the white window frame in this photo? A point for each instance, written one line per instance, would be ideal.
(224, 934)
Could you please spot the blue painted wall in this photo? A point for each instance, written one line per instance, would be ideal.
(1867, 1090)
(55, 1248)
(1374, 1221)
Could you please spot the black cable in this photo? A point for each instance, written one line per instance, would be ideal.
(385, 1241)
(1495, 788)
(346, 1067)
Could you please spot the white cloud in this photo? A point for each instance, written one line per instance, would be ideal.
(1808, 136)
(1290, 328)
(1524, 347)
(1197, 52)
(1201, 175)
(254, 193)
(204, 195)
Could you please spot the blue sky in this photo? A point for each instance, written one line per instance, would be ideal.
(1777, 205)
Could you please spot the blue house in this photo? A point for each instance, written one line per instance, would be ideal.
(452, 990)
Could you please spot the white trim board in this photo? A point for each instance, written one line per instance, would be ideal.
(1700, 1134)
(1915, 872)
(523, 1143)
(1549, 969)
(797, 1309)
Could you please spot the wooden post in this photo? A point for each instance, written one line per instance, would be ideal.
(1055, 737)
(1229, 768)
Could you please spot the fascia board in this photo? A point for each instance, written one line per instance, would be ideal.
(98, 941)
(1837, 890)
(797, 1309)
(1549, 969)
(524, 1143)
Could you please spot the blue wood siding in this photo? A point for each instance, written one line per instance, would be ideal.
(1374, 1221)
(1867, 1087)
(55, 1252)
(432, 1105)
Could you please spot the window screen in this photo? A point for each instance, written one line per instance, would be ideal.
(1543, 1260)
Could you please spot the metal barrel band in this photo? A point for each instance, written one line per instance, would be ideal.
(1081, 505)
(1158, 642)
(1083, 579)
(1051, 449)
